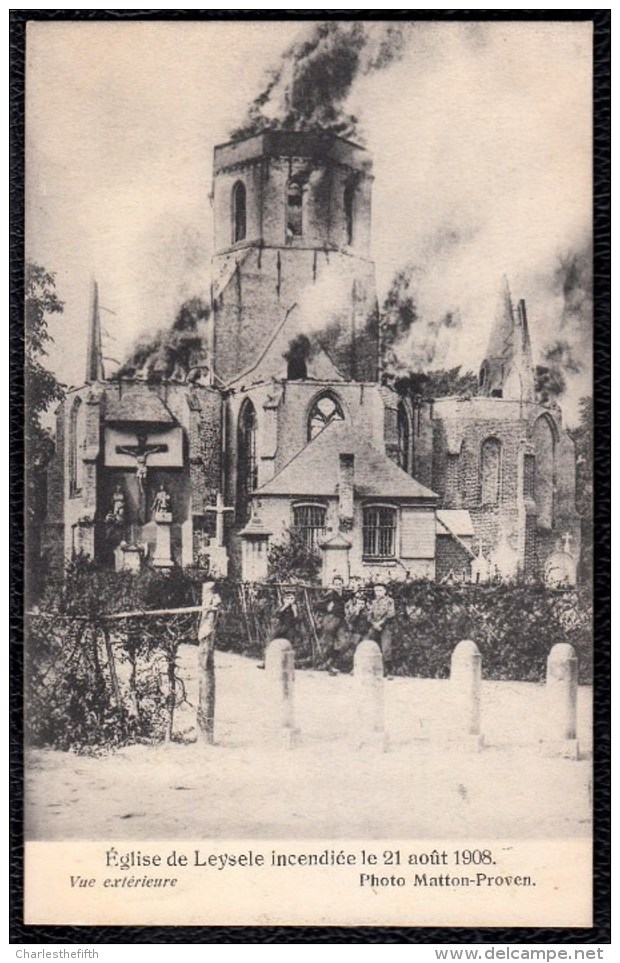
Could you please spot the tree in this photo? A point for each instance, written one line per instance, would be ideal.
(291, 560)
(42, 390)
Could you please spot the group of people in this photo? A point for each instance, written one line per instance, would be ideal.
(348, 616)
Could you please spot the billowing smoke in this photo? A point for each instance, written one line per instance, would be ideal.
(564, 358)
(412, 339)
(171, 353)
(310, 87)
(425, 325)
(299, 352)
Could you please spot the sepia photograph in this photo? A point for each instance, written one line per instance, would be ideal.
(309, 445)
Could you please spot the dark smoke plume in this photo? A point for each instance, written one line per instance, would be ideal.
(410, 341)
(299, 352)
(172, 352)
(316, 75)
(566, 356)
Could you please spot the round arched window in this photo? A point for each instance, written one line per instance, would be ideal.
(239, 212)
(403, 438)
(325, 410)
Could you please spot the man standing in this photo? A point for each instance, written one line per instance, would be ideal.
(334, 636)
(286, 620)
(380, 614)
(356, 612)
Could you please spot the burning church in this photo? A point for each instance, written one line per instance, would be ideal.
(281, 421)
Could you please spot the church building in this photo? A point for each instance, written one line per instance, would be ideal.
(284, 424)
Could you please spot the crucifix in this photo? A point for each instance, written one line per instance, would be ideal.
(140, 453)
(220, 510)
(567, 540)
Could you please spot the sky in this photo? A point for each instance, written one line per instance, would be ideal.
(480, 135)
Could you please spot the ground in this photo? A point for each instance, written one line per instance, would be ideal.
(248, 786)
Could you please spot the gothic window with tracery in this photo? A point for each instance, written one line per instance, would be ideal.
(325, 410)
(247, 466)
(490, 471)
(239, 212)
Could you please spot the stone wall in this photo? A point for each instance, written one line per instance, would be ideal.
(452, 560)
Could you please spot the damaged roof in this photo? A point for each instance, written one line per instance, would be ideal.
(138, 404)
(315, 470)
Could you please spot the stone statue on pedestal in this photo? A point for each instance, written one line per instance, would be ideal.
(116, 515)
(162, 503)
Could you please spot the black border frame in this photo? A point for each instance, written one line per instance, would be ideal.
(600, 932)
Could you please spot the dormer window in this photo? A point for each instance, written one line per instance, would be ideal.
(239, 212)
(294, 210)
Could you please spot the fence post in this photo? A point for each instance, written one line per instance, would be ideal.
(280, 675)
(368, 680)
(561, 697)
(465, 680)
(205, 714)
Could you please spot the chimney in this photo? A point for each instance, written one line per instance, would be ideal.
(346, 475)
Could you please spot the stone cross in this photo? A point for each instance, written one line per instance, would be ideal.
(140, 453)
(567, 538)
(220, 509)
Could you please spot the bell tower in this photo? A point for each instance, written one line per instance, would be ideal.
(292, 254)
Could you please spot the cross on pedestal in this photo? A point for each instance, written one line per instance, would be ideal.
(567, 538)
(219, 509)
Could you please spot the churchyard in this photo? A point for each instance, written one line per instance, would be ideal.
(332, 783)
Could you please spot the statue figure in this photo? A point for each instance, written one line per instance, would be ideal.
(161, 502)
(117, 513)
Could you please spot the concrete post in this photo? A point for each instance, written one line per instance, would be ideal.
(280, 675)
(465, 679)
(368, 677)
(561, 696)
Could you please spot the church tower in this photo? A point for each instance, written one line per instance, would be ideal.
(507, 370)
(292, 258)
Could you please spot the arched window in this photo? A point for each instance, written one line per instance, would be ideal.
(247, 461)
(403, 437)
(349, 212)
(379, 531)
(325, 410)
(294, 210)
(76, 443)
(309, 519)
(239, 212)
(490, 471)
(544, 472)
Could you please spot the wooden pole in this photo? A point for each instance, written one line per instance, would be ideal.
(116, 689)
(205, 715)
